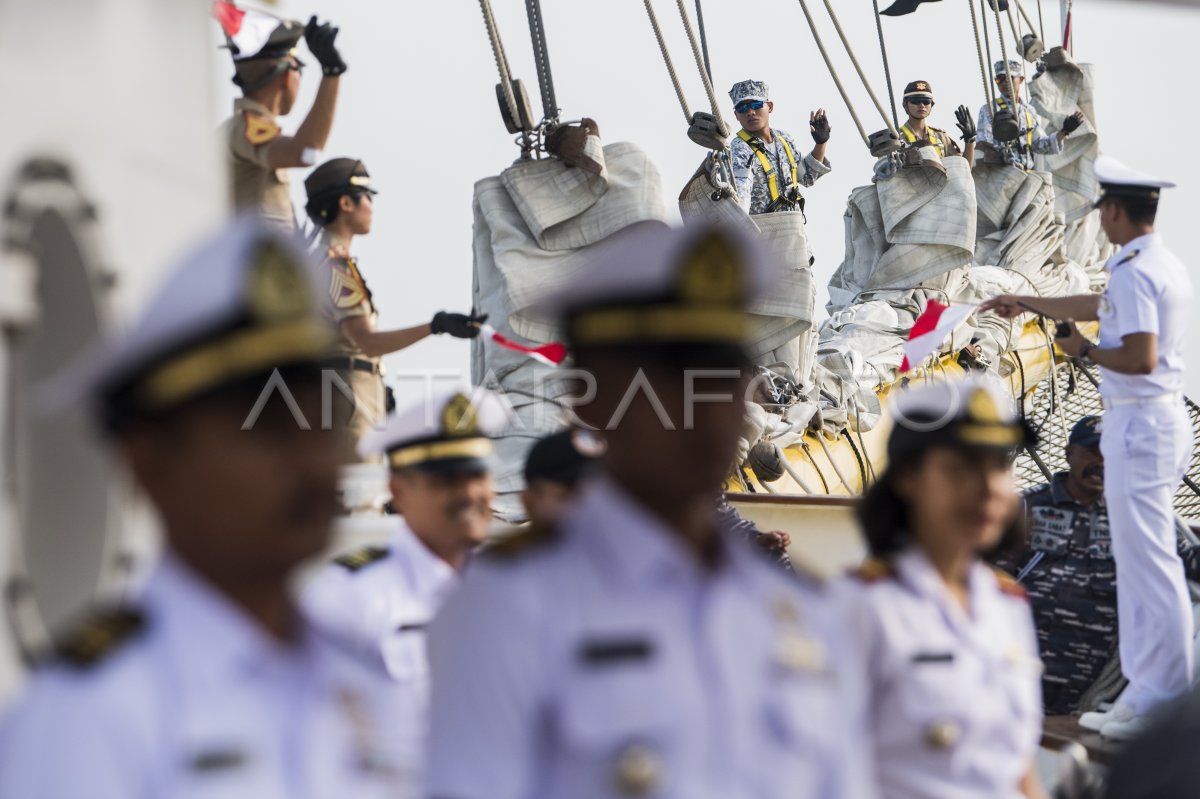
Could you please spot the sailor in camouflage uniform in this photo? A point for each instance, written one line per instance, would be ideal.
(1032, 138)
(1067, 567)
(341, 205)
(259, 154)
(767, 168)
(209, 681)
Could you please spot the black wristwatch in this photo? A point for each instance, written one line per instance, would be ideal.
(1087, 348)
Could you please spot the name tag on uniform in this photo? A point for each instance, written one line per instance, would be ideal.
(612, 651)
(412, 627)
(933, 657)
(217, 760)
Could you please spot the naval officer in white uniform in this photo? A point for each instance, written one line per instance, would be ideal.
(211, 682)
(1146, 437)
(636, 647)
(955, 680)
(381, 599)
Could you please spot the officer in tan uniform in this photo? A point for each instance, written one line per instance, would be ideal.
(259, 153)
(915, 132)
(340, 204)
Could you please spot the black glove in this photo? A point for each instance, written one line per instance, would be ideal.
(321, 43)
(820, 127)
(1072, 123)
(459, 325)
(965, 123)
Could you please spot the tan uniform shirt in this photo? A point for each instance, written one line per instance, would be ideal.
(349, 297)
(248, 135)
(935, 137)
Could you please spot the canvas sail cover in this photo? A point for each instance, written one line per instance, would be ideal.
(534, 224)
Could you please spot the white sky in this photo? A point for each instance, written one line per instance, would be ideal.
(418, 107)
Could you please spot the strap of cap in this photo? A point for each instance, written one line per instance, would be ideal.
(249, 88)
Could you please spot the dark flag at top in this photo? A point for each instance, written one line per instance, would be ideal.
(902, 7)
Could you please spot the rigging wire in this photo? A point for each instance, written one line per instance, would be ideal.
(662, 47)
(988, 96)
(1004, 55)
(1012, 23)
(510, 100)
(704, 38)
(987, 43)
(541, 59)
(837, 81)
(858, 67)
(700, 67)
(887, 69)
(1041, 21)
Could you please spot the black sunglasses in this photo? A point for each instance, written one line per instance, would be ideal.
(920, 100)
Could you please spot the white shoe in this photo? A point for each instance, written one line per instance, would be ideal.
(1126, 729)
(1096, 719)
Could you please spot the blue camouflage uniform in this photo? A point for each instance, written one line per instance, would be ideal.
(1068, 570)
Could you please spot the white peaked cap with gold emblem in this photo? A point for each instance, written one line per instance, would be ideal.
(1118, 180)
(243, 303)
(448, 430)
(653, 283)
(973, 412)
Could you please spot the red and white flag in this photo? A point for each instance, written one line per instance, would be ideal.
(246, 30)
(551, 354)
(932, 328)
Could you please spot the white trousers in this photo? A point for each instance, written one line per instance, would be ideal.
(1146, 451)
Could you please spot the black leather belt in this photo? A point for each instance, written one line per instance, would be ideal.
(351, 364)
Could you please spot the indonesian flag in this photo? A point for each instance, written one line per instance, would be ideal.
(247, 31)
(551, 354)
(931, 329)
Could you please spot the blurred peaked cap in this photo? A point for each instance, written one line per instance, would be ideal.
(281, 43)
(652, 283)
(1086, 432)
(338, 175)
(750, 90)
(563, 457)
(1118, 180)
(1013, 68)
(918, 88)
(972, 412)
(243, 303)
(449, 429)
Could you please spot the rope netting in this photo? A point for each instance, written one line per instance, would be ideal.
(1078, 396)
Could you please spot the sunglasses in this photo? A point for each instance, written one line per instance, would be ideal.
(748, 105)
(296, 65)
(920, 101)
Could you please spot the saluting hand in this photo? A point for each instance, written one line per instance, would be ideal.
(321, 40)
(1005, 306)
(818, 125)
(1072, 123)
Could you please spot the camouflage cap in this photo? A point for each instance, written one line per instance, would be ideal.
(1013, 68)
(750, 90)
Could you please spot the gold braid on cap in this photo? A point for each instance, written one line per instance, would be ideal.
(710, 291)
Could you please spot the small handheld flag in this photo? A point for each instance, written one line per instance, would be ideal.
(551, 354)
(932, 327)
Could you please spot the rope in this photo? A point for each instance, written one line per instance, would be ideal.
(858, 67)
(1012, 24)
(541, 59)
(1041, 21)
(862, 467)
(837, 81)
(662, 47)
(988, 96)
(700, 67)
(795, 475)
(704, 38)
(1004, 55)
(836, 470)
(510, 100)
(887, 69)
(1025, 14)
(987, 42)
(808, 451)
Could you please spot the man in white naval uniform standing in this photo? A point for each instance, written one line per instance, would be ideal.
(380, 599)
(1146, 437)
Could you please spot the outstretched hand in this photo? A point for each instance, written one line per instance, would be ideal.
(322, 43)
(818, 125)
(459, 325)
(1072, 123)
(1005, 306)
